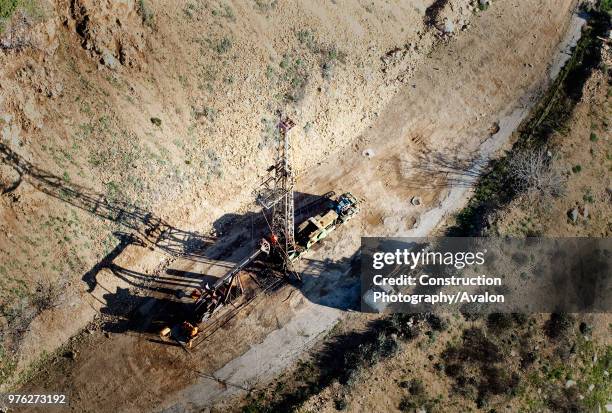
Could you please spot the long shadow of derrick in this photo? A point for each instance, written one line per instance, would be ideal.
(145, 225)
(145, 228)
(148, 314)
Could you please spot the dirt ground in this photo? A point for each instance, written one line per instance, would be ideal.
(429, 103)
(156, 119)
(443, 112)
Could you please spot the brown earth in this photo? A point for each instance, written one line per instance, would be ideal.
(158, 119)
(446, 110)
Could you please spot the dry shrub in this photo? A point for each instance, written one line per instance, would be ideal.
(536, 174)
(47, 295)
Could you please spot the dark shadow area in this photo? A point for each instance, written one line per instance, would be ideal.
(164, 300)
(141, 314)
(332, 283)
(124, 240)
(432, 12)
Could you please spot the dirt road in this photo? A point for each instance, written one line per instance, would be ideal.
(424, 144)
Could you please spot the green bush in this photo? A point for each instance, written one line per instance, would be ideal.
(606, 6)
(223, 46)
(8, 8)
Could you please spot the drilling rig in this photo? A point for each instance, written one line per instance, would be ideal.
(283, 246)
(275, 195)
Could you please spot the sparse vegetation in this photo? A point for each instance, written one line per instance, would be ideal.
(148, 18)
(295, 75)
(226, 12)
(212, 164)
(207, 112)
(223, 46)
(7, 363)
(9, 7)
(328, 56)
(498, 187)
(47, 295)
(266, 5)
(190, 9)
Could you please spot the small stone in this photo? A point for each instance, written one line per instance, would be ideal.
(109, 60)
(449, 27)
(413, 222)
(416, 200)
(573, 214)
(156, 121)
(591, 387)
(368, 153)
(569, 384)
(585, 212)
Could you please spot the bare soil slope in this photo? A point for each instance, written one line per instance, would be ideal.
(135, 125)
(447, 110)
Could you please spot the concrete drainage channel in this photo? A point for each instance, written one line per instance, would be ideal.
(283, 346)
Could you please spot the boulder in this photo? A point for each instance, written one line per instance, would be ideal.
(573, 214)
(449, 27)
